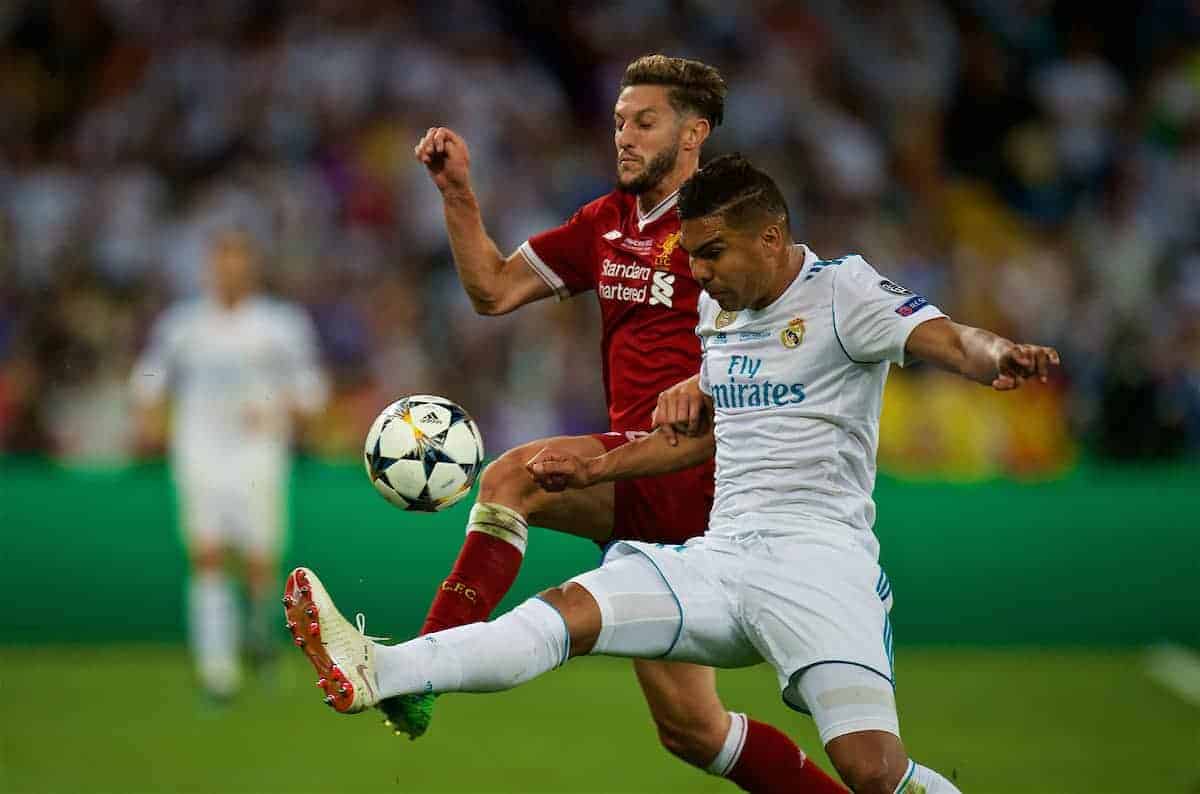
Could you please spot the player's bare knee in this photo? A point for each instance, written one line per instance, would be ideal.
(506, 481)
(208, 559)
(579, 611)
(868, 763)
(867, 775)
(260, 574)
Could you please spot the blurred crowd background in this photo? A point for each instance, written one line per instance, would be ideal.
(1031, 166)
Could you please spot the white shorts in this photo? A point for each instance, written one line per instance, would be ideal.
(233, 508)
(796, 603)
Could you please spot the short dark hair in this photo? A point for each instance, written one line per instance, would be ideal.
(694, 86)
(730, 186)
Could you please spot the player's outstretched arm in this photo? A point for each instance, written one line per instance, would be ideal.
(681, 409)
(556, 470)
(495, 284)
(980, 355)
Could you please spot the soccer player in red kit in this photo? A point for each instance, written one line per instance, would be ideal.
(623, 246)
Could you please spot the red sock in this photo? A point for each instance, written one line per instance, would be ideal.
(771, 763)
(485, 569)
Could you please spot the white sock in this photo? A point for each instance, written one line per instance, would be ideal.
(731, 750)
(213, 630)
(500, 522)
(923, 780)
(479, 657)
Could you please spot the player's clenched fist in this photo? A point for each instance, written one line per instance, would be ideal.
(445, 155)
(556, 470)
(680, 409)
(1017, 363)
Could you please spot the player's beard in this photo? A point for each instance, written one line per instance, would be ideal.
(659, 166)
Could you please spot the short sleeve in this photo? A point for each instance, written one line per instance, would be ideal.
(155, 368)
(705, 383)
(703, 311)
(872, 315)
(563, 256)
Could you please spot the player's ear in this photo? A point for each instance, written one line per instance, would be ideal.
(695, 132)
(771, 237)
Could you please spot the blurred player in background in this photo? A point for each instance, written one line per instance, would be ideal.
(796, 353)
(624, 246)
(239, 369)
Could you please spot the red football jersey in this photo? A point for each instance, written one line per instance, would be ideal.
(646, 291)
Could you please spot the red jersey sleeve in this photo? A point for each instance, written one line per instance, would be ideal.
(564, 256)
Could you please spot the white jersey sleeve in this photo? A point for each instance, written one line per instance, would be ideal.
(704, 309)
(309, 383)
(154, 372)
(873, 316)
(306, 381)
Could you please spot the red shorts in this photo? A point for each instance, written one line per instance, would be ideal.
(669, 508)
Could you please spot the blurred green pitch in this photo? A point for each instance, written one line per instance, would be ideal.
(127, 719)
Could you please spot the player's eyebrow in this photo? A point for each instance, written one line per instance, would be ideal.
(639, 115)
(702, 247)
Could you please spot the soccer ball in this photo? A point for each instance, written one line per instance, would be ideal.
(423, 453)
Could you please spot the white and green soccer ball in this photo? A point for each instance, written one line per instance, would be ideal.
(423, 453)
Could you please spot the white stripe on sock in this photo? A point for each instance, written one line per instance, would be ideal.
(731, 750)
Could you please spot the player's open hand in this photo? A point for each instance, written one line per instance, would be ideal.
(1018, 363)
(680, 409)
(557, 470)
(447, 158)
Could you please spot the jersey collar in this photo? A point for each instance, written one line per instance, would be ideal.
(659, 210)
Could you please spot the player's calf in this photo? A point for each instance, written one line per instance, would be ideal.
(213, 618)
(696, 743)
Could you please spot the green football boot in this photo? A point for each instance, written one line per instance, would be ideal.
(408, 714)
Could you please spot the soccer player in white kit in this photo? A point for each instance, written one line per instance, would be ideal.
(239, 368)
(796, 353)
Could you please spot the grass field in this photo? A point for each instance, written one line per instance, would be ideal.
(126, 719)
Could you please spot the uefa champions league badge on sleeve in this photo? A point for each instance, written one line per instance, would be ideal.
(913, 304)
(793, 335)
(893, 287)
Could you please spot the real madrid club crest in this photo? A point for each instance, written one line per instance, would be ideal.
(724, 319)
(793, 335)
(663, 260)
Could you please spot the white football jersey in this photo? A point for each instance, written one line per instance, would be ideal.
(797, 389)
(234, 374)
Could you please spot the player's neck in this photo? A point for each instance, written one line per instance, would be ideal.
(652, 198)
(232, 301)
(669, 184)
(788, 268)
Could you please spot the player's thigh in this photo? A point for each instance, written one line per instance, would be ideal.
(669, 603)
(849, 700)
(806, 604)
(261, 520)
(586, 512)
(683, 698)
(200, 521)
